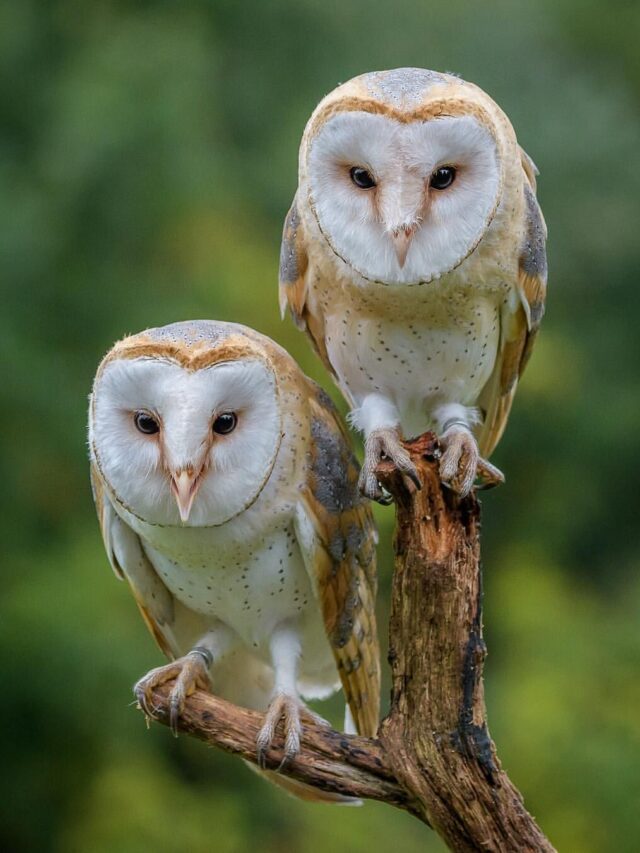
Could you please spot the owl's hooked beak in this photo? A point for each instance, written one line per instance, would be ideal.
(402, 238)
(185, 485)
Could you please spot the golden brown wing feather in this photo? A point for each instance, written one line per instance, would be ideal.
(130, 563)
(519, 329)
(337, 536)
(294, 269)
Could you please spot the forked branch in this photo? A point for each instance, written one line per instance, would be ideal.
(434, 756)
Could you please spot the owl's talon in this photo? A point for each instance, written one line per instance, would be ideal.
(412, 474)
(461, 464)
(143, 689)
(190, 673)
(489, 476)
(369, 485)
(385, 444)
(386, 498)
(285, 708)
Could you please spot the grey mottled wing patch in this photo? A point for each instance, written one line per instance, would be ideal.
(533, 259)
(289, 266)
(293, 267)
(331, 464)
(337, 538)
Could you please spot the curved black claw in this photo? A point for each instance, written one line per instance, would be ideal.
(386, 498)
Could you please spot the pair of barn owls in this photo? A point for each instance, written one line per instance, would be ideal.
(228, 496)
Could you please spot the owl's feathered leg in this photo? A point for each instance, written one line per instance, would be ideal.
(384, 444)
(190, 672)
(285, 704)
(461, 463)
(379, 420)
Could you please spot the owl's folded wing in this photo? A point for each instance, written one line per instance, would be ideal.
(337, 537)
(519, 327)
(130, 563)
(294, 271)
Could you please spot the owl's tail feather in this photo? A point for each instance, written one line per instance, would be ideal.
(302, 791)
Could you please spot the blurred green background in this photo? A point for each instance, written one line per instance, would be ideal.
(147, 159)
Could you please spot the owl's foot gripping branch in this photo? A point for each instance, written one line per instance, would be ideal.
(433, 755)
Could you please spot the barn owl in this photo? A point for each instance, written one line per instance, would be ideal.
(414, 257)
(228, 498)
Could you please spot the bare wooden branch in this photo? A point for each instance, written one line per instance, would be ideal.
(329, 760)
(434, 756)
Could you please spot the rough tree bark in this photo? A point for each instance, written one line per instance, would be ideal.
(433, 756)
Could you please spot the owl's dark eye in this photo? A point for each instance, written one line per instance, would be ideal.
(443, 178)
(225, 423)
(362, 178)
(146, 423)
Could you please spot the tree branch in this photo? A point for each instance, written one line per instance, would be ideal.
(435, 736)
(434, 756)
(330, 760)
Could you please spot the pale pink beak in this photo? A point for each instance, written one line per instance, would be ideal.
(402, 238)
(185, 485)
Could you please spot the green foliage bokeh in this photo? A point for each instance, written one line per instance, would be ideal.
(147, 159)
